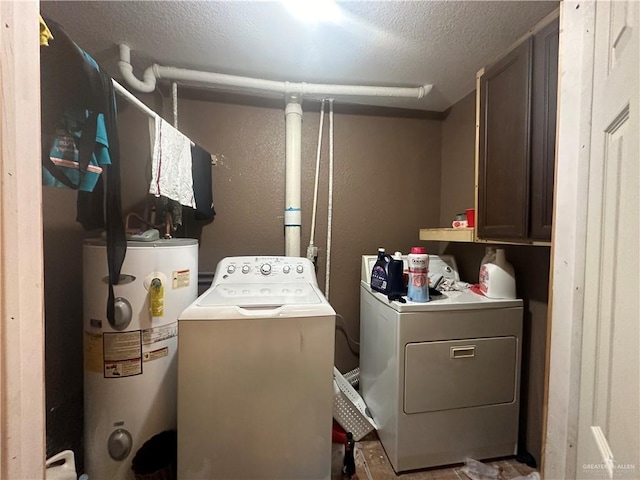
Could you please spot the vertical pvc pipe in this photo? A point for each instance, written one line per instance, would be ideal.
(293, 162)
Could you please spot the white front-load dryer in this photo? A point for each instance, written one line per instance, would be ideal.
(255, 374)
(442, 378)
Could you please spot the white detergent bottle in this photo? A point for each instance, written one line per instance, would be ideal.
(489, 257)
(497, 278)
(61, 466)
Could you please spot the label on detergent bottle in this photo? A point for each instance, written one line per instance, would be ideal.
(418, 288)
(484, 279)
(379, 278)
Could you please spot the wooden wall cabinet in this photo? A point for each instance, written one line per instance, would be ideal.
(516, 141)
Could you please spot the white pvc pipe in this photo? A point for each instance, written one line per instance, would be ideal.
(329, 202)
(307, 90)
(293, 92)
(293, 162)
(148, 84)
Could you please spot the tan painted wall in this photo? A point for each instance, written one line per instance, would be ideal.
(458, 160)
(386, 180)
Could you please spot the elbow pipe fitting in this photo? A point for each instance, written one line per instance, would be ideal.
(147, 84)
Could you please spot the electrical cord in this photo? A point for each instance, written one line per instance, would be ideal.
(350, 341)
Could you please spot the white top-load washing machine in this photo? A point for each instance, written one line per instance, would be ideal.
(441, 379)
(255, 374)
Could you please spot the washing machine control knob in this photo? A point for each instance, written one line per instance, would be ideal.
(231, 268)
(286, 269)
(246, 269)
(299, 269)
(265, 269)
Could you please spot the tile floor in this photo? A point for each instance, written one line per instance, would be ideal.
(380, 469)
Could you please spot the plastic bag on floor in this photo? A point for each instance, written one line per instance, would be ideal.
(531, 476)
(476, 470)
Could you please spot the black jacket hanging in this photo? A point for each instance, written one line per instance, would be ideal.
(69, 81)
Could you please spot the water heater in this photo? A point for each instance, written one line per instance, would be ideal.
(130, 371)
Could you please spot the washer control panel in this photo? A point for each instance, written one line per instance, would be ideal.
(265, 270)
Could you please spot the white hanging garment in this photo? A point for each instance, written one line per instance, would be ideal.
(170, 163)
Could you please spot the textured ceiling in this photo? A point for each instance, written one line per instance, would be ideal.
(390, 43)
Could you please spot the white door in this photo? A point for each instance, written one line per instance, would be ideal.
(609, 416)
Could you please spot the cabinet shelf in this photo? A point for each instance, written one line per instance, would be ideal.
(468, 235)
(447, 234)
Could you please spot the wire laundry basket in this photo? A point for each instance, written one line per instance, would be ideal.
(349, 408)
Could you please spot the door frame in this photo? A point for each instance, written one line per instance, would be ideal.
(22, 388)
(568, 253)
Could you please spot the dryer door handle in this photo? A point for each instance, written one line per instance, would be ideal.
(467, 351)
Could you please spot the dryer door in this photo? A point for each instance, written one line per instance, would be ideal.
(466, 373)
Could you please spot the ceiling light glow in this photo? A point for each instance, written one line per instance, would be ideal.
(314, 10)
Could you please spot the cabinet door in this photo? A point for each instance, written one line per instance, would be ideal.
(503, 180)
(543, 133)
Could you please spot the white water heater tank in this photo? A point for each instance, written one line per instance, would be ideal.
(130, 370)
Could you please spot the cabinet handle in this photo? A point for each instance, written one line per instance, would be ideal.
(462, 352)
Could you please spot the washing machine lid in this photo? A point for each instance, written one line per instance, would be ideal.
(260, 295)
(464, 300)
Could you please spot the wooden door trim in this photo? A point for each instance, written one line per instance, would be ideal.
(22, 389)
(568, 251)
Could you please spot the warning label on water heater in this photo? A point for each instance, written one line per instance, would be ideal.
(93, 352)
(155, 354)
(181, 278)
(122, 354)
(159, 334)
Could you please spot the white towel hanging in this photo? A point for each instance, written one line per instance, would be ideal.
(170, 163)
